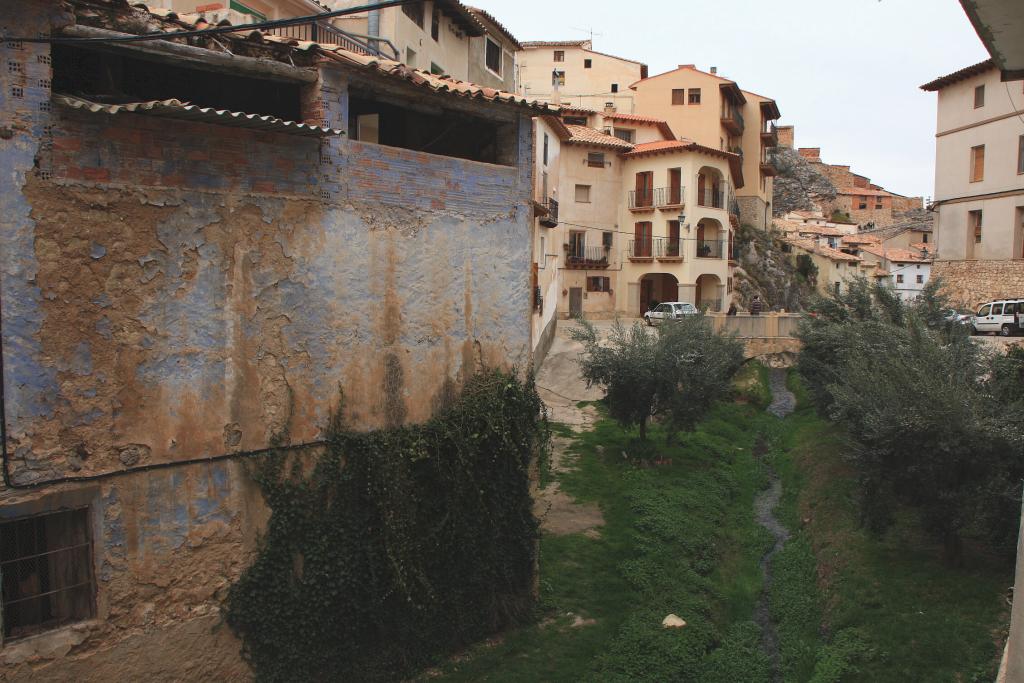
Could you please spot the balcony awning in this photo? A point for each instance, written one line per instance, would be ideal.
(176, 109)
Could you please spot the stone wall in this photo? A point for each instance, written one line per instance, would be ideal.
(968, 284)
(753, 211)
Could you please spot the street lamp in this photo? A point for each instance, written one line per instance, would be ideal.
(682, 221)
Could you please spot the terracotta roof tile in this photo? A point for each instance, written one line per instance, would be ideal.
(488, 17)
(862, 239)
(815, 248)
(895, 255)
(661, 124)
(582, 135)
(957, 76)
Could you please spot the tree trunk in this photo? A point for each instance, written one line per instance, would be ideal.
(643, 429)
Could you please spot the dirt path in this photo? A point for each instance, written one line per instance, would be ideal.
(783, 403)
(562, 390)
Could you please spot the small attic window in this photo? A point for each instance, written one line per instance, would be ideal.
(109, 78)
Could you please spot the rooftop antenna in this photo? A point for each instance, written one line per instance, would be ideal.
(589, 31)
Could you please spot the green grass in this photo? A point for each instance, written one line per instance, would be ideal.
(892, 611)
(678, 538)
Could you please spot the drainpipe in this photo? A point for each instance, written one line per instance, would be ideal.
(373, 25)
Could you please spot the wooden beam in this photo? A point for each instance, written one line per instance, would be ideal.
(187, 55)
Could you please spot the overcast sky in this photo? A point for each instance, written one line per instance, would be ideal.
(846, 74)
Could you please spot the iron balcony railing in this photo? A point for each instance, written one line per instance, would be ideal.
(641, 199)
(712, 198)
(587, 257)
(324, 33)
(641, 248)
(711, 248)
(670, 248)
(668, 196)
(734, 119)
(550, 220)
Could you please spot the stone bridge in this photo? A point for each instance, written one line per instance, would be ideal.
(771, 338)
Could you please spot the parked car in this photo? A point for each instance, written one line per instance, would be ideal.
(673, 310)
(951, 315)
(1002, 317)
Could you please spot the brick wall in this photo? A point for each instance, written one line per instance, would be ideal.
(787, 136)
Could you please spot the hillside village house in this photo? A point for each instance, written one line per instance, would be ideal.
(979, 184)
(572, 73)
(714, 112)
(638, 223)
(200, 244)
(444, 37)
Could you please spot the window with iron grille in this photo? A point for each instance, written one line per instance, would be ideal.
(694, 96)
(46, 571)
(595, 159)
(598, 284)
(559, 55)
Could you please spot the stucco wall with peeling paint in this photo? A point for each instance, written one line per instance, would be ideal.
(179, 290)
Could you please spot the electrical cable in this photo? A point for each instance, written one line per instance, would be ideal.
(217, 30)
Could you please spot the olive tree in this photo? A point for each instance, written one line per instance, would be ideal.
(675, 374)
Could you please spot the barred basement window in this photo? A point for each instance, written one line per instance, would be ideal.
(46, 571)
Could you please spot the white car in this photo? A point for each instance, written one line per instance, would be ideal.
(673, 310)
(1002, 317)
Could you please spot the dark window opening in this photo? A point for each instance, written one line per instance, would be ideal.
(435, 23)
(588, 63)
(47, 573)
(595, 159)
(599, 284)
(114, 79)
(414, 10)
(615, 87)
(452, 134)
(493, 56)
(575, 120)
(559, 55)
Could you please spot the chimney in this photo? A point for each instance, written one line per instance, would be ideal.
(714, 69)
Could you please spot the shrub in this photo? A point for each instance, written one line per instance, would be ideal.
(934, 421)
(395, 547)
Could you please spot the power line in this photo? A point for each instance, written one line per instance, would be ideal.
(217, 30)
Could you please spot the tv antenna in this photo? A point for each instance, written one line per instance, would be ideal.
(589, 31)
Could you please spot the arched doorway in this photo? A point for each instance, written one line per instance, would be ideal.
(657, 288)
(709, 293)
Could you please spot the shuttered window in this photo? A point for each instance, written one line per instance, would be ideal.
(977, 163)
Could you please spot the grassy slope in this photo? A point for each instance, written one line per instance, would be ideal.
(892, 611)
(678, 538)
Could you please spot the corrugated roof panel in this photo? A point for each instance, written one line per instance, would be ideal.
(177, 109)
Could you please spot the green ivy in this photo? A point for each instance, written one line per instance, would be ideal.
(397, 547)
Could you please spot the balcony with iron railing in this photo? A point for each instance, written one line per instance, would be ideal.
(669, 197)
(732, 120)
(640, 200)
(328, 34)
(768, 166)
(640, 249)
(711, 249)
(770, 137)
(586, 258)
(668, 248)
(711, 198)
(551, 219)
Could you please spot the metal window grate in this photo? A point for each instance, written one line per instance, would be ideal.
(46, 572)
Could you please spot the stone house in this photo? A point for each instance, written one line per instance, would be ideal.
(979, 184)
(202, 239)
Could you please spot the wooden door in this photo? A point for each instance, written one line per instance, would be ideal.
(642, 239)
(645, 188)
(575, 301)
(675, 185)
(646, 295)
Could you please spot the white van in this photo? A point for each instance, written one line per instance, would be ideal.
(1005, 317)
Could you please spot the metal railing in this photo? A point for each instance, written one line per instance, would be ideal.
(668, 196)
(640, 199)
(733, 114)
(711, 198)
(641, 248)
(324, 33)
(587, 257)
(710, 248)
(668, 248)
